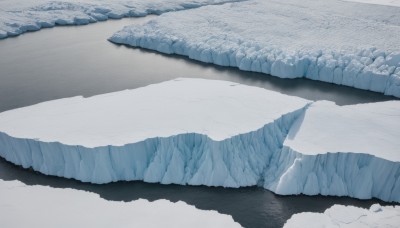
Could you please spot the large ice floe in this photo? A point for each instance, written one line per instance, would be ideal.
(345, 43)
(43, 206)
(214, 133)
(20, 16)
(348, 216)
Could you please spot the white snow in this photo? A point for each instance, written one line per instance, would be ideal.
(346, 43)
(378, 2)
(364, 128)
(341, 150)
(348, 216)
(42, 206)
(214, 133)
(20, 16)
(218, 109)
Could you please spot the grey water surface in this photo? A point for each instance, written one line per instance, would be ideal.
(78, 60)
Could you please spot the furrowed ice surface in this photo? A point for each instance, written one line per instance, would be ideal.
(345, 43)
(214, 133)
(32, 15)
(348, 216)
(43, 206)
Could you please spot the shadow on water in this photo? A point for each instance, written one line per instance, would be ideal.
(250, 206)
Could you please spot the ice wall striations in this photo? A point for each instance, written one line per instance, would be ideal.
(28, 15)
(344, 43)
(361, 176)
(255, 158)
(191, 158)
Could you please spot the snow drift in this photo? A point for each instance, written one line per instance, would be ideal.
(214, 133)
(345, 43)
(29, 15)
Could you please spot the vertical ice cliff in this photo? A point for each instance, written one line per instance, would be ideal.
(189, 158)
(333, 41)
(345, 151)
(214, 133)
(186, 131)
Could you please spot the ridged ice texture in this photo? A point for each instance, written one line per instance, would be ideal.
(292, 153)
(339, 42)
(31, 15)
(361, 176)
(191, 158)
(255, 158)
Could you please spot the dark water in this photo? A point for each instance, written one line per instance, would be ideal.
(78, 60)
(70, 61)
(250, 206)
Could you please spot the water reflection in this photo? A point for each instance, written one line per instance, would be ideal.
(251, 206)
(78, 60)
(69, 61)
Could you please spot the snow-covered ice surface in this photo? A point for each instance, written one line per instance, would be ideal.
(342, 150)
(214, 133)
(19, 16)
(348, 216)
(41, 206)
(218, 109)
(346, 43)
(379, 2)
(364, 128)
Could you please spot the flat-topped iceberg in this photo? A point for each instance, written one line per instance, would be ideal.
(214, 133)
(186, 131)
(348, 216)
(43, 206)
(216, 109)
(345, 43)
(341, 150)
(32, 15)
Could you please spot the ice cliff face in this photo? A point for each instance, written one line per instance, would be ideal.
(182, 159)
(197, 153)
(29, 15)
(345, 43)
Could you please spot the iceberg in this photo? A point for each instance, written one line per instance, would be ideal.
(213, 133)
(43, 206)
(345, 43)
(32, 15)
(348, 216)
(344, 151)
(186, 131)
